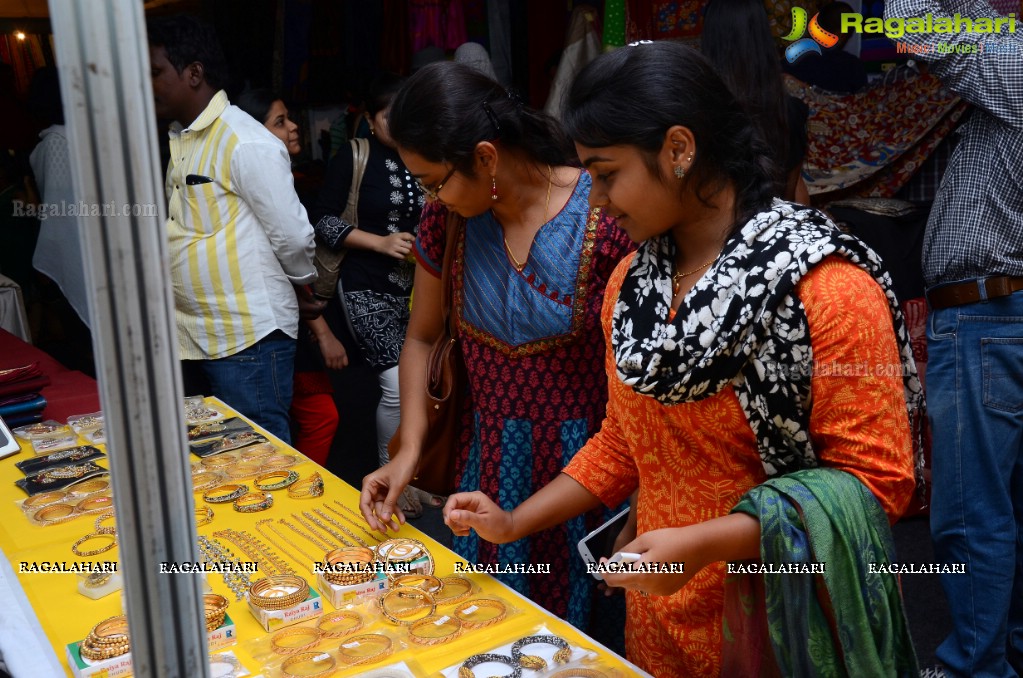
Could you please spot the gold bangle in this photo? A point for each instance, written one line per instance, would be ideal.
(423, 582)
(214, 610)
(91, 536)
(203, 515)
(93, 504)
(270, 593)
(44, 499)
(206, 480)
(106, 516)
(224, 493)
(103, 652)
(90, 486)
(245, 469)
(330, 625)
(253, 502)
(310, 636)
(456, 589)
(279, 461)
(470, 607)
(257, 452)
(218, 460)
(308, 488)
(286, 478)
(403, 550)
(419, 632)
(534, 662)
(347, 649)
(344, 566)
(54, 513)
(403, 593)
(312, 658)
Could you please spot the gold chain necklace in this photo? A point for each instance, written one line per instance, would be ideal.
(676, 279)
(546, 209)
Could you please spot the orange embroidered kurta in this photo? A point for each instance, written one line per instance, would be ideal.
(694, 461)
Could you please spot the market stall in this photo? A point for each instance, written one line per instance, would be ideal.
(268, 519)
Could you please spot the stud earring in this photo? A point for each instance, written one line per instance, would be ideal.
(493, 188)
(679, 172)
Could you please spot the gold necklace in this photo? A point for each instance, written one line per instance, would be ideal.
(676, 279)
(546, 209)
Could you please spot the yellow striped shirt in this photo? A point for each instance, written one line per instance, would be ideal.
(239, 237)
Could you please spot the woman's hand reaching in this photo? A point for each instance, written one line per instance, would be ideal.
(476, 511)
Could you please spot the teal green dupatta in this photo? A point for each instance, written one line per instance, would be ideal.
(847, 621)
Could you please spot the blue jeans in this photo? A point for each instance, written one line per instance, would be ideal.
(257, 381)
(975, 406)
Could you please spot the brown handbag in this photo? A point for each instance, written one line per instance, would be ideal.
(446, 390)
(326, 260)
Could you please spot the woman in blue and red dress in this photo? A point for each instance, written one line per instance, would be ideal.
(528, 280)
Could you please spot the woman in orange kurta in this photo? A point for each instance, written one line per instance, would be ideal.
(748, 339)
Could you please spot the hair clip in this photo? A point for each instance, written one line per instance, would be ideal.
(493, 119)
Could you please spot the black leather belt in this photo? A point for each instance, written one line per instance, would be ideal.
(972, 291)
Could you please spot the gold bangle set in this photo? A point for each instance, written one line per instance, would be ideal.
(393, 605)
(253, 502)
(275, 480)
(466, 610)
(107, 639)
(257, 452)
(279, 592)
(307, 488)
(339, 624)
(50, 512)
(214, 610)
(89, 486)
(218, 461)
(311, 663)
(224, 493)
(307, 637)
(348, 566)
(347, 651)
(103, 533)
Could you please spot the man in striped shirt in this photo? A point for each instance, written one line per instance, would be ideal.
(241, 246)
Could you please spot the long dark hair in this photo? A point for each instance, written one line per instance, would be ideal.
(633, 95)
(446, 108)
(257, 102)
(753, 73)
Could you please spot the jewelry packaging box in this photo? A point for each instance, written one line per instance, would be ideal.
(218, 638)
(271, 620)
(339, 596)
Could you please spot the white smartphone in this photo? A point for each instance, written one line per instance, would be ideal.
(601, 542)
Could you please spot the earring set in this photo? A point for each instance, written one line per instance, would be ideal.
(680, 172)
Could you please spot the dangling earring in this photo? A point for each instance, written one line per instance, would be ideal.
(493, 188)
(679, 172)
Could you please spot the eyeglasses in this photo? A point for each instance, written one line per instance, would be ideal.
(432, 193)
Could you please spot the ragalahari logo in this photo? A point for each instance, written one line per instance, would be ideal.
(801, 46)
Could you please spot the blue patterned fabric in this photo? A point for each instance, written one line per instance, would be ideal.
(536, 303)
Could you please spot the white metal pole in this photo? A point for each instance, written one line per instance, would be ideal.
(103, 59)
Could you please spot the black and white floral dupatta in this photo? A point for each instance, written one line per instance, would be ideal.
(743, 324)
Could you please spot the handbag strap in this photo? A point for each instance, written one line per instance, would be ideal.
(360, 157)
(451, 231)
